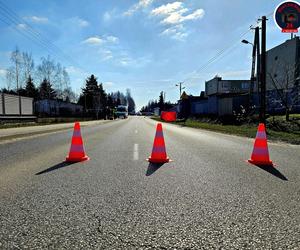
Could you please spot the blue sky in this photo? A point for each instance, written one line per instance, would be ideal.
(145, 45)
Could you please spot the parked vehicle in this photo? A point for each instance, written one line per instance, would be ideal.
(122, 111)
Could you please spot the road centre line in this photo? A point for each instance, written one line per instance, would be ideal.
(135, 152)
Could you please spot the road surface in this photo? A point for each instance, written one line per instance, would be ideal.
(207, 198)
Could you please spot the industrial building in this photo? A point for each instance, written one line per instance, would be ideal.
(226, 97)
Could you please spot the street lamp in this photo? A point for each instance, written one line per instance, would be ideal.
(247, 42)
(252, 72)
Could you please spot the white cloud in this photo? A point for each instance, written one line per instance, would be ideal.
(106, 54)
(167, 9)
(37, 19)
(173, 18)
(173, 13)
(112, 39)
(22, 26)
(94, 40)
(177, 32)
(110, 15)
(107, 16)
(82, 23)
(74, 23)
(140, 5)
(126, 60)
(197, 14)
(73, 70)
(3, 72)
(97, 40)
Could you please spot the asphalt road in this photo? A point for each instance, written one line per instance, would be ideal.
(207, 198)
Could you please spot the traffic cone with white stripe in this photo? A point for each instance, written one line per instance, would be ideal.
(260, 154)
(159, 154)
(77, 153)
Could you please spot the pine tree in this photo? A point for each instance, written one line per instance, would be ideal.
(103, 95)
(91, 86)
(31, 90)
(89, 92)
(46, 91)
(161, 100)
(130, 101)
(93, 96)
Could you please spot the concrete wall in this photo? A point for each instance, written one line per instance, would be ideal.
(27, 105)
(282, 61)
(10, 105)
(1, 104)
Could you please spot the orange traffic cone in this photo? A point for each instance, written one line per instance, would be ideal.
(159, 154)
(77, 153)
(260, 154)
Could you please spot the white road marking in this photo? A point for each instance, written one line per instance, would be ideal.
(135, 152)
(135, 131)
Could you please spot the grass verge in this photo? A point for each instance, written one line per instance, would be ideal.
(42, 121)
(241, 130)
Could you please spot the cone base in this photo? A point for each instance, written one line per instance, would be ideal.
(152, 160)
(262, 163)
(84, 158)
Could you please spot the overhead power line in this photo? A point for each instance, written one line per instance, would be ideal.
(13, 19)
(220, 54)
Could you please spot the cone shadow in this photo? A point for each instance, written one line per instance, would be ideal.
(55, 167)
(153, 167)
(273, 171)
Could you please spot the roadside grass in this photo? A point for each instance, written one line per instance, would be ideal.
(21, 124)
(42, 122)
(248, 130)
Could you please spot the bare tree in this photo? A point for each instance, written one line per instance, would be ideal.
(58, 80)
(10, 78)
(55, 74)
(66, 78)
(27, 65)
(46, 70)
(69, 95)
(16, 59)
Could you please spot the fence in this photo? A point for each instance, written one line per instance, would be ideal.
(14, 105)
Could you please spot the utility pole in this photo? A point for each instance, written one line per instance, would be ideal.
(252, 79)
(258, 60)
(180, 88)
(262, 113)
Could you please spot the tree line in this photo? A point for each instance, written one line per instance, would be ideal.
(97, 102)
(160, 103)
(50, 80)
(47, 80)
